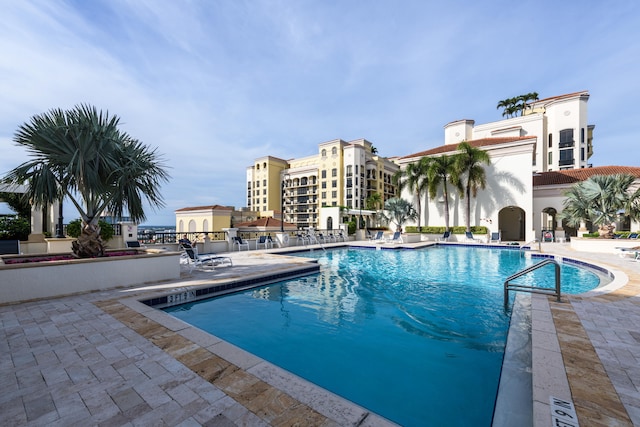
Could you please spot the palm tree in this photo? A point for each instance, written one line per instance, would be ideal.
(415, 178)
(373, 201)
(399, 211)
(442, 170)
(601, 199)
(469, 165)
(81, 154)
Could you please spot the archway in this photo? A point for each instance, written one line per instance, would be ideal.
(330, 223)
(511, 222)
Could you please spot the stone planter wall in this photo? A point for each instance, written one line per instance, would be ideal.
(602, 245)
(23, 282)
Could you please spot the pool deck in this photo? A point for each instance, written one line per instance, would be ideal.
(105, 359)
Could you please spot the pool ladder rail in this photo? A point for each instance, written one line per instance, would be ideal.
(533, 289)
(526, 245)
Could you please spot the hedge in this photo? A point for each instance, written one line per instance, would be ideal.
(478, 229)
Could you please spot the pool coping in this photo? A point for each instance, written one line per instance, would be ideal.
(549, 377)
(553, 328)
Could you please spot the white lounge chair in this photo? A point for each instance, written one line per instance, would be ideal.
(396, 238)
(469, 237)
(191, 258)
(237, 240)
(445, 237)
(495, 237)
(378, 237)
(265, 242)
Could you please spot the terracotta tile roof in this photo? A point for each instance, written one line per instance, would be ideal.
(567, 95)
(264, 222)
(575, 175)
(452, 148)
(201, 208)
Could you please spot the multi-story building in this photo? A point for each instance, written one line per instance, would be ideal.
(564, 139)
(341, 174)
(552, 134)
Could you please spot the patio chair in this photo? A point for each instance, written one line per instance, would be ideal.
(341, 236)
(237, 240)
(495, 237)
(396, 238)
(302, 238)
(264, 241)
(633, 236)
(331, 237)
(469, 237)
(379, 236)
(445, 237)
(191, 258)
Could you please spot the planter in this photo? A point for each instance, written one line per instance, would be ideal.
(34, 280)
(609, 246)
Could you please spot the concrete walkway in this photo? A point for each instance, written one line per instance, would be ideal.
(106, 359)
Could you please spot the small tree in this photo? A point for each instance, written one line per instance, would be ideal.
(601, 199)
(399, 211)
(82, 155)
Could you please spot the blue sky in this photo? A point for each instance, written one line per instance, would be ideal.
(215, 84)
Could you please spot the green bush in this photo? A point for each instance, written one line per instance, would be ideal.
(477, 229)
(591, 235)
(352, 227)
(74, 228)
(14, 228)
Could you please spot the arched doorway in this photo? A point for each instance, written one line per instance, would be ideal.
(330, 223)
(511, 221)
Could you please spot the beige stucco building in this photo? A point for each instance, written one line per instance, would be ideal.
(203, 218)
(340, 174)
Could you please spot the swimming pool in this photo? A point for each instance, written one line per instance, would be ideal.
(416, 336)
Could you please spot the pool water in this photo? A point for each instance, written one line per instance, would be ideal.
(416, 336)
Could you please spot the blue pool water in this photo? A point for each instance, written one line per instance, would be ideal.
(417, 336)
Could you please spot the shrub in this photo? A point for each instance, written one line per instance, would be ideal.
(477, 229)
(591, 235)
(74, 228)
(17, 228)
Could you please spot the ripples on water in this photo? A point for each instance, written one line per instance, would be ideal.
(405, 333)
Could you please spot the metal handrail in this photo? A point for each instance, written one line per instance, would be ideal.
(533, 289)
(533, 241)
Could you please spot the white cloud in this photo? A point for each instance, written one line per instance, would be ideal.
(214, 85)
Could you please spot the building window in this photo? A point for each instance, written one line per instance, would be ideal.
(334, 184)
(566, 158)
(566, 138)
(550, 158)
(324, 174)
(324, 184)
(264, 200)
(334, 204)
(264, 192)
(334, 151)
(349, 193)
(257, 183)
(323, 195)
(334, 172)
(334, 194)
(264, 182)
(582, 135)
(582, 154)
(323, 153)
(550, 140)
(349, 170)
